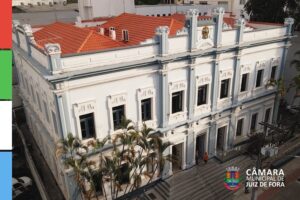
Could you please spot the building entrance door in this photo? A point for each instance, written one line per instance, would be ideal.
(221, 138)
(200, 148)
(177, 155)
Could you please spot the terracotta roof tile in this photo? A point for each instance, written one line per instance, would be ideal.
(73, 39)
(140, 28)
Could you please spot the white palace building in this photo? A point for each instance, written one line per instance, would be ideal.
(200, 81)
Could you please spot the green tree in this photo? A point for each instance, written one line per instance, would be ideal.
(296, 80)
(272, 10)
(135, 149)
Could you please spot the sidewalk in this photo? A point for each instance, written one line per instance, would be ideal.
(53, 190)
(292, 172)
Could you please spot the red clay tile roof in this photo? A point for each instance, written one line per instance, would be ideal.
(73, 39)
(141, 28)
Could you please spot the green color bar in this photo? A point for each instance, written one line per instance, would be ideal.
(5, 74)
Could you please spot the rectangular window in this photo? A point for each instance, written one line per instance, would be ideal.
(267, 115)
(253, 122)
(54, 122)
(239, 127)
(244, 83)
(224, 88)
(46, 111)
(146, 109)
(87, 126)
(118, 114)
(273, 73)
(177, 102)
(202, 95)
(203, 2)
(259, 78)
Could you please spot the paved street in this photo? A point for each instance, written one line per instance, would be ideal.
(20, 168)
(45, 173)
(291, 191)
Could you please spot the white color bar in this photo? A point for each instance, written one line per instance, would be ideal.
(5, 125)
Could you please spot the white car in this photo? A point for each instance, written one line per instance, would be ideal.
(20, 185)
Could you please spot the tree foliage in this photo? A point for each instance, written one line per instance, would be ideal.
(122, 168)
(296, 80)
(273, 10)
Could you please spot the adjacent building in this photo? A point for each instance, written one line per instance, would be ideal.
(37, 2)
(202, 82)
(91, 9)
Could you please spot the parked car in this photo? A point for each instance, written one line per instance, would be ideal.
(20, 185)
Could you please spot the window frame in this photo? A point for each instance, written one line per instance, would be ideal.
(151, 109)
(246, 84)
(251, 121)
(181, 92)
(270, 114)
(242, 128)
(228, 89)
(86, 121)
(206, 94)
(261, 78)
(124, 115)
(275, 73)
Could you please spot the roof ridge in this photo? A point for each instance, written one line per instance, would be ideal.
(85, 41)
(172, 22)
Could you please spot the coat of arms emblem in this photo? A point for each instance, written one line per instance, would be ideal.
(232, 179)
(205, 32)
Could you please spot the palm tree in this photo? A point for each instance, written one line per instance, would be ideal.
(132, 151)
(73, 153)
(69, 150)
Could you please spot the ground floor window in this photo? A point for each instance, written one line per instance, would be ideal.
(221, 138)
(146, 109)
(239, 127)
(118, 114)
(267, 115)
(87, 126)
(253, 122)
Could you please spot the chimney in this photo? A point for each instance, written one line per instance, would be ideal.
(112, 33)
(125, 35)
(101, 30)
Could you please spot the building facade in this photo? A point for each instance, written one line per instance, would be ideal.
(90, 9)
(204, 87)
(37, 2)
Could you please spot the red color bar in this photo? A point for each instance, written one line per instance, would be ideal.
(5, 24)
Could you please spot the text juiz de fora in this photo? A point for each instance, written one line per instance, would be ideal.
(264, 177)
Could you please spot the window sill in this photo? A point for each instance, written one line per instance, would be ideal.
(224, 102)
(149, 123)
(202, 109)
(177, 117)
